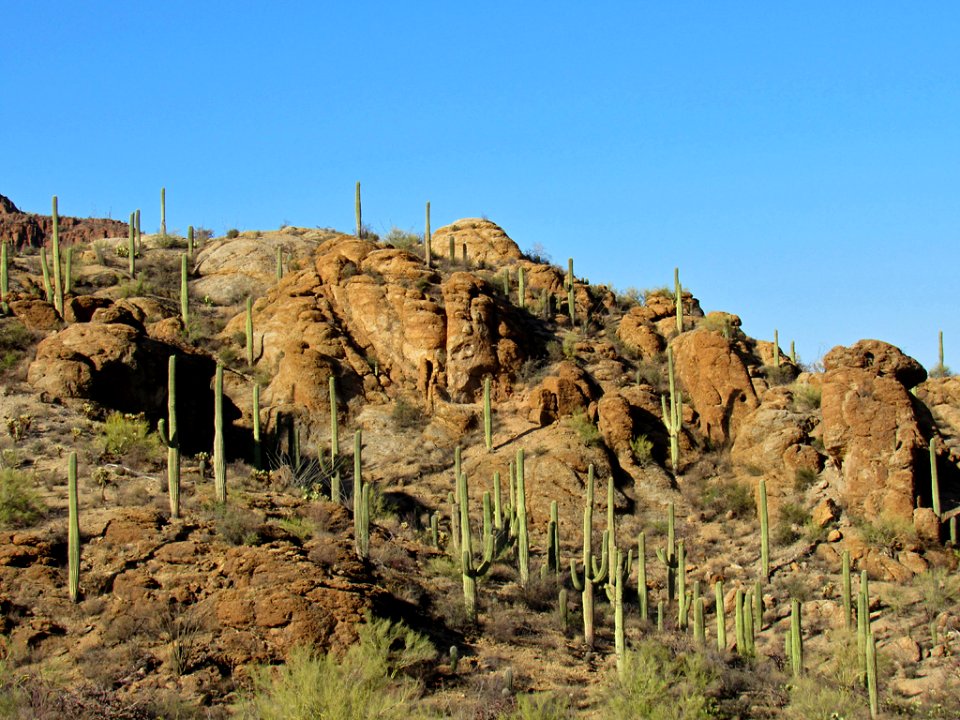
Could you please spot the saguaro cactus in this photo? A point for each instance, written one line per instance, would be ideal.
(184, 292)
(487, 415)
(523, 539)
(219, 449)
(643, 594)
(619, 641)
(521, 289)
(872, 689)
(163, 211)
(469, 571)
(131, 249)
(357, 210)
(721, 616)
(4, 276)
(361, 502)
(55, 249)
(248, 331)
(593, 572)
(847, 592)
(934, 478)
(668, 555)
(45, 270)
(678, 298)
(73, 530)
(673, 420)
(764, 531)
(776, 348)
(257, 449)
(279, 264)
(427, 239)
(190, 239)
(68, 270)
(171, 438)
(334, 441)
(795, 639)
(553, 539)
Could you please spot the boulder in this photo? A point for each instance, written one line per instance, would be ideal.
(639, 334)
(871, 429)
(486, 243)
(715, 381)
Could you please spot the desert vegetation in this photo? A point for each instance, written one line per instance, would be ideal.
(303, 473)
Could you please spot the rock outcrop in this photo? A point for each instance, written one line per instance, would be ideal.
(30, 230)
(716, 382)
(871, 428)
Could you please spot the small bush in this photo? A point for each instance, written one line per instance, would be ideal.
(128, 436)
(401, 239)
(885, 533)
(804, 479)
(588, 432)
(805, 397)
(371, 681)
(20, 506)
(169, 242)
(642, 448)
(728, 496)
(939, 371)
(778, 374)
(407, 416)
(232, 233)
(661, 684)
(792, 517)
(15, 340)
(238, 526)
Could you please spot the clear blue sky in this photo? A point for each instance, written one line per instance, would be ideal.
(800, 162)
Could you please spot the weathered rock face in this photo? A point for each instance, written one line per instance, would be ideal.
(232, 269)
(561, 395)
(715, 381)
(379, 319)
(775, 438)
(639, 333)
(871, 428)
(117, 365)
(485, 241)
(29, 230)
(942, 397)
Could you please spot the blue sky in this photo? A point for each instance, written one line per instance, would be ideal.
(800, 162)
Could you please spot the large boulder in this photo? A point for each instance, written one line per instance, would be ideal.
(871, 428)
(486, 242)
(715, 380)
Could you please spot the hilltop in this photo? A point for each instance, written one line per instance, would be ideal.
(669, 408)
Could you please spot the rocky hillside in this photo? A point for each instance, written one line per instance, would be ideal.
(672, 416)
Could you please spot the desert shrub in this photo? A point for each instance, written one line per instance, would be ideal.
(135, 288)
(408, 416)
(778, 374)
(128, 435)
(237, 525)
(652, 371)
(719, 323)
(792, 517)
(232, 233)
(15, 340)
(538, 253)
(372, 680)
(401, 239)
(813, 699)
(660, 684)
(939, 371)
(885, 533)
(586, 429)
(729, 496)
(642, 448)
(201, 235)
(540, 706)
(168, 242)
(805, 397)
(664, 291)
(939, 589)
(804, 478)
(20, 506)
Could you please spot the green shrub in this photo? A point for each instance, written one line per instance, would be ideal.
(15, 339)
(401, 239)
(659, 684)
(128, 435)
(372, 680)
(20, 506)
(885, 533)
(804, 478)
(588, 432)
(792, 517)
(540, 706)
(232, 233)
(805, 397)
(729, 496)
(238, 526)
(642, 448)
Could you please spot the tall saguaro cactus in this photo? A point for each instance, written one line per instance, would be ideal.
(4, 276)
(171, 438)
(184, 292)
(73, 530)
(487, 415)
(593, 572)
(668, 555)
(934, 478)
(764, 532)
(678, 298)
(55, 249)
(468, 570)
(248, 331)
(219, 447)
(356, 203)
(163, 211)
(619, 640)
(257, 449)
(673, 420)
(643, 594)
(427, 249)
(523, 538)
(361, 502)
(334, 442)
